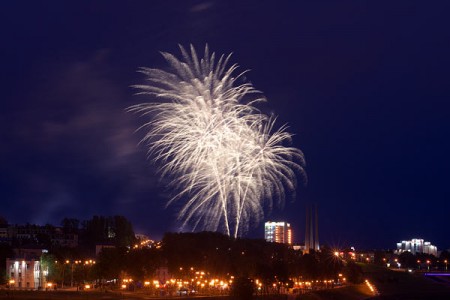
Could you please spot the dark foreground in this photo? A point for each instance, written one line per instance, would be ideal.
(69, 295)
(93, 295)
(353, 292)
(394, 285)
(356, 292)
(390, 285)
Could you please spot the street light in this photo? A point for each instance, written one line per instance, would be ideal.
(446, 262)
(428, 264)
(71, 272)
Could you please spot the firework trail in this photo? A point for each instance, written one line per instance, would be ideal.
(224, 157)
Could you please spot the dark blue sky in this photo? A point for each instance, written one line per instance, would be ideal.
(363, 85)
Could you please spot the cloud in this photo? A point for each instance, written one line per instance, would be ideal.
(73, 147)
(201, 7)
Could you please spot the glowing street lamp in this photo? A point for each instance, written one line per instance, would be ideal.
(428, 264)
(11, 284)
(446, 264)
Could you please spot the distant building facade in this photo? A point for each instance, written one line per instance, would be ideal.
(25, 274)
(99, 248)
(31, 233)
(278, 232)
(416, 246)
(25, 271)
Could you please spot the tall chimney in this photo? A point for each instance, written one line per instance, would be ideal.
(307, 236)
(316, 237)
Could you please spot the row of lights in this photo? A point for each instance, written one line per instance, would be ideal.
(198, 280)
(309, 283)
(353, 256)
(49, 284)
(371, 287)
(78, 262)
(202, 282)
(143, 244)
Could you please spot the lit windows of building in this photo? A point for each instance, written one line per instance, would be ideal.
(416, 246)
(278, 232)
(25, 274)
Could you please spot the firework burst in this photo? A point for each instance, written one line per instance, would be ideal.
(225, 160)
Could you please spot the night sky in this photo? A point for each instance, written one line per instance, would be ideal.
(363, 85)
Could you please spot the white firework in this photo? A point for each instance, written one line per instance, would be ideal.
(222, 155)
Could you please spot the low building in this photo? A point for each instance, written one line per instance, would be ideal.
(30, 252)
(99, 248)
(32, 233)
(3, 232)
(60, 238)
(365, 256)
(25, 274)
(25, 270)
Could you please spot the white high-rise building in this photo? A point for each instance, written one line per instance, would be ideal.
(416, 246)
(278, 232)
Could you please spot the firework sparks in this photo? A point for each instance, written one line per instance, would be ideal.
(224, 157)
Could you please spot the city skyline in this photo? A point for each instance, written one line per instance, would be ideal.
(274, 231)
(362, 86)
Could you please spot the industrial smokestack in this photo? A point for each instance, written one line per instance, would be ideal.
(311, 228)
(316, 237)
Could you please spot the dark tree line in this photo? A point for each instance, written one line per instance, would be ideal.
(219, 256)
(139, 263)
(5, 252)
(116, 230)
